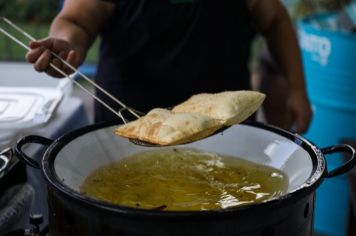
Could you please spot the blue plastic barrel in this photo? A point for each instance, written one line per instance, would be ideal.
(329, 59)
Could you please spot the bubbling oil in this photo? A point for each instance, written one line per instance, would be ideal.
(184, 180)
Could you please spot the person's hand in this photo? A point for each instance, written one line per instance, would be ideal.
(299, 113)
(40, 55)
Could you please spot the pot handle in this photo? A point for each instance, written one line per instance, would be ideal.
(348, 165)
(26, 140)
(5, 157)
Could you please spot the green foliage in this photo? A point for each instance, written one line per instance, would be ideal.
(38, 11)
(34, 16)
(9, 50)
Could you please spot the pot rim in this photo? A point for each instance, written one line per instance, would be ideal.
(308, 187)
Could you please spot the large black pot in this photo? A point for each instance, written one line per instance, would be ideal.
(12, 172)
(69, 159)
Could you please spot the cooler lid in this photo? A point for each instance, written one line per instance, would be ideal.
(27, 107)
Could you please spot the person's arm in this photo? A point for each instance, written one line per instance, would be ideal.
(71, 34)
(273, 22)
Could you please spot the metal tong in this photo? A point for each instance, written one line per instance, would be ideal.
(134, 112)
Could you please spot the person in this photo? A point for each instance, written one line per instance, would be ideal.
(159, 53)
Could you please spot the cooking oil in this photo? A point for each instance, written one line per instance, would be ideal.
(178, 179)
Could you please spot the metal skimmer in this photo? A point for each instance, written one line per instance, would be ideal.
(118, 113)
(134, 112)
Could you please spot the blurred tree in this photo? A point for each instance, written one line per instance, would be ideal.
(39, 11)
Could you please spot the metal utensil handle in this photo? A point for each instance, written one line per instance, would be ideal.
(72, 68)
(348, 165)
(63, 73)
(22, 156)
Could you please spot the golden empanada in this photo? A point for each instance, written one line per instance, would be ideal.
(163, 127)
(229, 107)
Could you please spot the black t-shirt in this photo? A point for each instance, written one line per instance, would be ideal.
(157, 53)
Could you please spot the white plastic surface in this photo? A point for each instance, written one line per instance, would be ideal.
(24, 75)
(28, 99)
(23, 108)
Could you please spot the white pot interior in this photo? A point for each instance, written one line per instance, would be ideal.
(81, 156)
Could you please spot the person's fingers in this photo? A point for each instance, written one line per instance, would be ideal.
(297, 123)
(63, 55)
(302, 121)
(34, 44)
(41, 56)
(34, 54)
(56, 62)
(64, 70)
(71, 60)
(43, 61)
(299, 113)
(288, 122)
(54, 73)
(298, 119)
(55, 45)
(47, 43)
